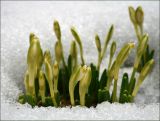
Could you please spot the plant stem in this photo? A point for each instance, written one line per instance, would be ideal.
(110, 60)
(109, 83)
(81, 53)
(137, 33)
(64, 64)
(114, 94)
(52, 95)
(99, 61)
(141, 30)
(136, 89)
(82, 99)
(55, 84)
(42, 96)
(72, 99)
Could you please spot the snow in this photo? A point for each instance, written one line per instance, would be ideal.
(102, 111)
(19, 18)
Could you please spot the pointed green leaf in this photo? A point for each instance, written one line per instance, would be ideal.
(103, 79)
(48, 102)
(103, 95)
(132, 86)
(21, 99)
(108, 38)
(151, 54)
(57, 30)
(124, 86)
(125, 98)
(30, 100)
(98, 43)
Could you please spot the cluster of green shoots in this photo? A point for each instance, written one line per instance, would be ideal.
(59, 83)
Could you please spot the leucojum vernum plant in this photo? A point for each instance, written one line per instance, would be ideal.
(59, 83)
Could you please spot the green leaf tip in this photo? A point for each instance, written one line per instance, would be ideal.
(98, 43)
(57, 30)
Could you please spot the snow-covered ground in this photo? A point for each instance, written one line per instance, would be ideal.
(18, 19)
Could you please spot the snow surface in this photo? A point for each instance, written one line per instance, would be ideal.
(19, 18)
(102, 112)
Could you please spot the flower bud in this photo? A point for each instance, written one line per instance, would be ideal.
(57, 30)
(76, 76)
(110, 34)
(78, 40)
(76, 36)
(132, 15)
(34, 61)
(31, 37)
(47, 56)
(98, 43)
(139, 15)
(84, 85)
(73, 81)
(82, 72)
(121, 57)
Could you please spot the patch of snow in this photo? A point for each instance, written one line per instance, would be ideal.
(104, 111)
